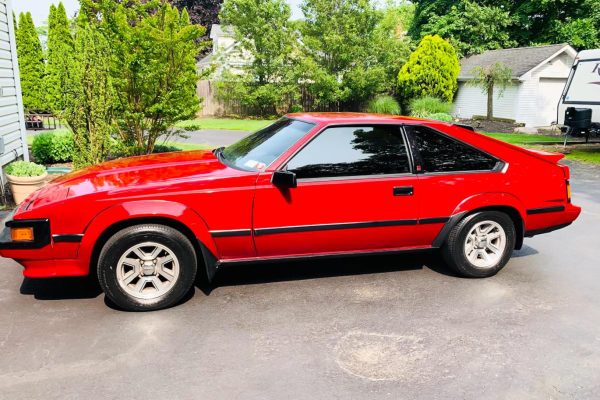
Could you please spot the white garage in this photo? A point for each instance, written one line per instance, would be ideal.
(539, 76)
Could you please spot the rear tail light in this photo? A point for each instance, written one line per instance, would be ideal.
(568, 191)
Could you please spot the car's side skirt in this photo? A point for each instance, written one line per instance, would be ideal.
(259, 260)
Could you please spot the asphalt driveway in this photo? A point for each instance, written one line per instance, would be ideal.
(385, 327)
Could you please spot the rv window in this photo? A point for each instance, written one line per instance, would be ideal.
(585, 84)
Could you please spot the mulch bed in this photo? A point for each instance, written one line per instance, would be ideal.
(491, 126)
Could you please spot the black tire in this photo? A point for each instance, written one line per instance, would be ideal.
(119, 245)
(454, 249)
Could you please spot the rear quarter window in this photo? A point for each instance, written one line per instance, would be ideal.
(441, 153)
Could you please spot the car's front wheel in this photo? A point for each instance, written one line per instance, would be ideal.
(481, 244)
(147, 267)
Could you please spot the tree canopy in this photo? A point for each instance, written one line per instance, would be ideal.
(522, 22)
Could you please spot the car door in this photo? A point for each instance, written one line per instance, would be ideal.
(355, 193)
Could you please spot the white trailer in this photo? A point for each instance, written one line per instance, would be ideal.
(579, 106)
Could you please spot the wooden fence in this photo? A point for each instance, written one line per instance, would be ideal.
(213, 106)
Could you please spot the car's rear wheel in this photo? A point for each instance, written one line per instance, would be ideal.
(481, 244)
(147, 267)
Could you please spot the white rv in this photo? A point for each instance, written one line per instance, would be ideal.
(579, 107)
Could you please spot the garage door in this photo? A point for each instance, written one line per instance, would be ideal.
(549, 93)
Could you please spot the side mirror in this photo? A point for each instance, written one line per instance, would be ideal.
(284, 179)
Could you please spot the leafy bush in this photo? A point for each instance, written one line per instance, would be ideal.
(385, 105)
(441, 117)
(424, 107)
(25, 168)
(165, 148)
(431, 70)
(53, 147)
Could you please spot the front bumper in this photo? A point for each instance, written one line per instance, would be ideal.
(41, 233)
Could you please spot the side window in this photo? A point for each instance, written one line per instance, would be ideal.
(440, 153)
(352, 151)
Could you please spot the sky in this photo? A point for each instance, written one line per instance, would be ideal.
(39, 8)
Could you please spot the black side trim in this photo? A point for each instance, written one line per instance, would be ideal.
(232, 232)
(327, 227)
(71, 238)
(41, 233)
(435, 220)
(544, 210)
(545, 230)
(323, 256)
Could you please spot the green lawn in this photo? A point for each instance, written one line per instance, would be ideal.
(523, 138)
(223, 124)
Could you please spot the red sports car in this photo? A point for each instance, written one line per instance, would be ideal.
(309, 185)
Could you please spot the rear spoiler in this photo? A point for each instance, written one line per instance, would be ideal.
(546, 155)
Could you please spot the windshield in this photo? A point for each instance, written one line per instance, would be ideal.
(257, 151)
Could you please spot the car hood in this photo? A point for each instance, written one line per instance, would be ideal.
(132, 173)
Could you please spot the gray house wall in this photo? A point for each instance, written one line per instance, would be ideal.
(12, 119)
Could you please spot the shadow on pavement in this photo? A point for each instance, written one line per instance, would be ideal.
(300, 270)
(61, 288)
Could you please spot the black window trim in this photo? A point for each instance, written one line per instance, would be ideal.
(283, 165)
(417, 159)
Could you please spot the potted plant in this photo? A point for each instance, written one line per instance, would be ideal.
(25, 177)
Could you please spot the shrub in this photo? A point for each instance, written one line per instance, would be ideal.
(25, 168)
(165, 148)
(384, 105)
(424, 107)
(53, 147)
(441, 117)
(431, 70)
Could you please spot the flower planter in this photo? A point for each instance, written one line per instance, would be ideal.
(23, 186)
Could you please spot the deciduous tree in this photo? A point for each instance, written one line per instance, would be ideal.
(202, 12)
(342, 64)
(473, 28)
(153, 49)
(264, 32)
(497, 76)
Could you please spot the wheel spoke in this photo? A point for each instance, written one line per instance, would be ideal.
(140, 285)
(165, 274)
(494, 249)
(132, 275)
(154, 254)
(493, 235)
(138, 252)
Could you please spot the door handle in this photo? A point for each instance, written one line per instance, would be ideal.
(403, 190)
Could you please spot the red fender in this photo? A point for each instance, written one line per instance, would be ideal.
(141, 209)
(490, 200)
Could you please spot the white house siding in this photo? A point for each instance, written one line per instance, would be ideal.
(541, 90)
(472, 101)
(12, 121)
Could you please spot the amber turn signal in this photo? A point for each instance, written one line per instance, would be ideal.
(568, 192)
(21, 234)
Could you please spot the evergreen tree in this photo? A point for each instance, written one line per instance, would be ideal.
(31, 64)
(60, 55)
(431, 70)
(89, 97)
